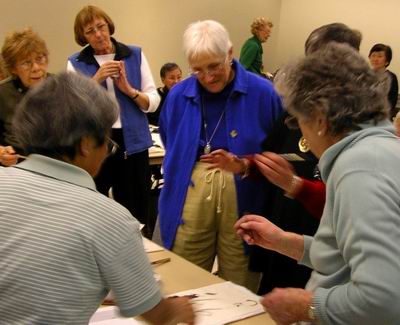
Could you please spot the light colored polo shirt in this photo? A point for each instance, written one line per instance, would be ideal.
(63, 245)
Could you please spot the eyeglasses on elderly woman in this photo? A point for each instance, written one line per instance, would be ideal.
(93, 30)
(28, 64)
(210, 70)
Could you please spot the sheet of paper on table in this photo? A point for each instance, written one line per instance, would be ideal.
(222, 303)
(110, 316)
(151, 247)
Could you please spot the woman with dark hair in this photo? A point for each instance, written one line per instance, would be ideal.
(170, 75)
(380, 57)
(126, 74)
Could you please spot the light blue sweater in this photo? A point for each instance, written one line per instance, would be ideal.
(356, 250)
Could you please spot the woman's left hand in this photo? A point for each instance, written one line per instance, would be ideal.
(122, 81)
(224, 160)
(288, 306)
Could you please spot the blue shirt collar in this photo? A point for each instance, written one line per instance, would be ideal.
(57, 169)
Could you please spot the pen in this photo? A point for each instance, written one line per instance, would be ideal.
(161, 261)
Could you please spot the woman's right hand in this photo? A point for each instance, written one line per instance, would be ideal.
(8, 157)
(257, 230)
(276, 169)
(108, 69)
(171, 311)
(183, 309)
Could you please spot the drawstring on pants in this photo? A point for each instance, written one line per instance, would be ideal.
(210, 176)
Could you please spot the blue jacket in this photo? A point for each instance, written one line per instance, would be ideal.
(253, 106)
(135, 127)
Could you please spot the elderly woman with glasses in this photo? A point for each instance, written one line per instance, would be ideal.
(125, 72)
(342, 111)
(25, 58)
(220, 108)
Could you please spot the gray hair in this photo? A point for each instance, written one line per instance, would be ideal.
(337, 82)
(336, 32)
(54, 116)
(206, 37)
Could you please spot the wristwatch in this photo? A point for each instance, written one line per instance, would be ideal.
(311, 313)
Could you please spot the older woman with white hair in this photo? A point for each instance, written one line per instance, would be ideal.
(341, 109)
(224, 110)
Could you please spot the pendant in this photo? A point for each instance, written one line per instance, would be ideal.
(207, 149)
(303, 145)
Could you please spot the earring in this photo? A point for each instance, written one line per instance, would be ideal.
(319, 133)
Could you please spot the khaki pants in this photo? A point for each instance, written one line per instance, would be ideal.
(209, 213)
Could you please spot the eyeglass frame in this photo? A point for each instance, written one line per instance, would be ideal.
(92, 31)
(112, 146)
(28, 64)
(209, 71)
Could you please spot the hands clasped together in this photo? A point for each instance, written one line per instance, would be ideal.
(115, 70)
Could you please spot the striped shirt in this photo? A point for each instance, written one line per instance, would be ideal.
(63, 246)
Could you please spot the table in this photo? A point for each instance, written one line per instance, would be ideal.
(179, 275)
(156, 156)
(156, 152)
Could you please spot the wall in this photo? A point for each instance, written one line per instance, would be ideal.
(155, 25)
(377, 21)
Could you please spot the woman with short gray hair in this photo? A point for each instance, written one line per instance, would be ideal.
(73, 241)
(219, 112)
(340, 107)
(92, 114)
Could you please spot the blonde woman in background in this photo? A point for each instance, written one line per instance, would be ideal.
(252, 51)
(25, 58)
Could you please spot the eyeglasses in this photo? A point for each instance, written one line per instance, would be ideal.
(28, 64)
(112, 146)
(92, 31)
(211, 70)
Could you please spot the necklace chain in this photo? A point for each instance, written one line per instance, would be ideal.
(207, 148)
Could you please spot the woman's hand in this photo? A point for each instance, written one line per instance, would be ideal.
(288, 306)
(8, 157)
(225, 160)
(141, 99)
(278, 171)
(122, 81)
(257, 230)
(108, 69)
